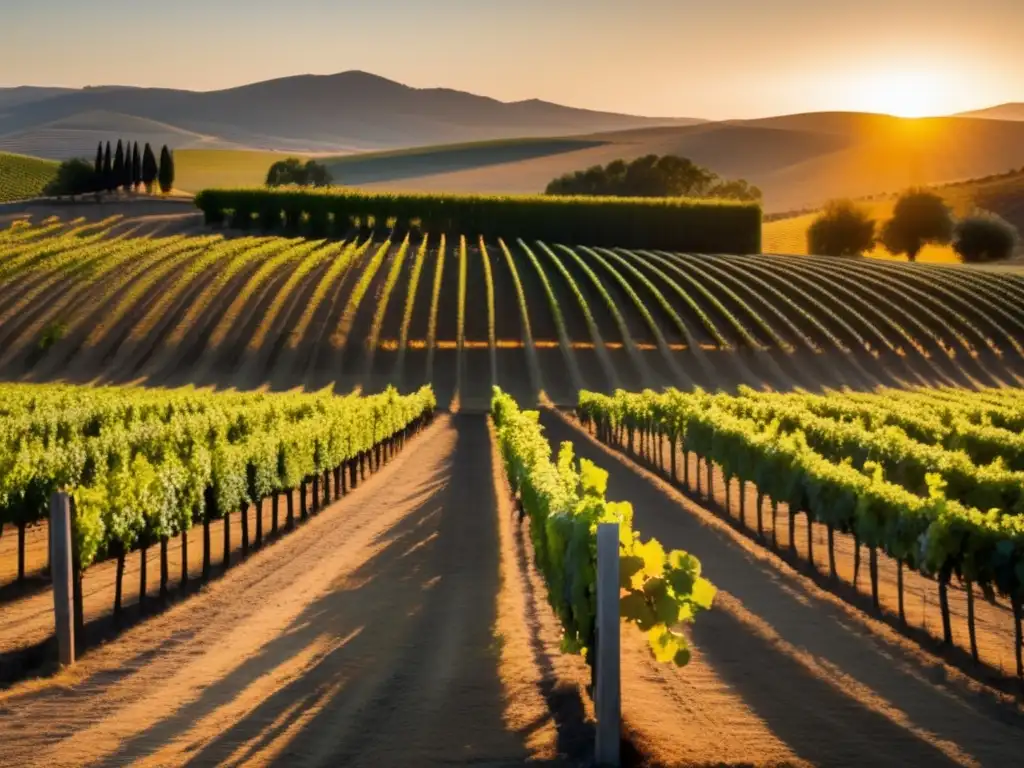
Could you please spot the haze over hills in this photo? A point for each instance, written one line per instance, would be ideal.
(378, 133)
(798, 161)
(313, 113)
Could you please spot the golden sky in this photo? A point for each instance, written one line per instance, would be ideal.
(720, 59)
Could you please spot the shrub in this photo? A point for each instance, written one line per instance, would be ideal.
(841, 229)
(708, 226)
(985, 236)
(74, 177)
(919, 217)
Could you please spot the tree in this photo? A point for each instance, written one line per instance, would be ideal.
(292, 171)
(317, 175)
(98, 167)
(841, 229)
(136, 167)
(119, 166)
(166, 173)
(919, 217)
(985, 236)
(735, 189)
(652, 176)
(150, 170)
(108, 171)
(74, 177)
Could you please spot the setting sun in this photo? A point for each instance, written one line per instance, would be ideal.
(905, 94)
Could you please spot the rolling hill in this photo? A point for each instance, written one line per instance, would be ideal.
(78, 135)
(312, 113)
(1011, 111)
(798, 161)
(381, 134)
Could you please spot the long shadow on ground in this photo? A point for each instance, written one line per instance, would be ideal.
(834, 692)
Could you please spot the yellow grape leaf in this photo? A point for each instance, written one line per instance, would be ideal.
(593, 479)
(679, 560)
(703, 593)
(654, 557)
(664, 643)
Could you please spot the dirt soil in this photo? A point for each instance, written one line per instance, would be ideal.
(784, 671)
(406, 625)
(370, 636)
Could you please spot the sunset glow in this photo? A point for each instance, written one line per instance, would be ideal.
(735, 59)
(907, 94)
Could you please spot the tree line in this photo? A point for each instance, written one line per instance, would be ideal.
(124, 168)
(653, 176)
(920, 217)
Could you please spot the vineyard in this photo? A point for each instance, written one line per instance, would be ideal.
(144, 466)
(816, 467)
(22, 177)
(83, 301)
(929, 480)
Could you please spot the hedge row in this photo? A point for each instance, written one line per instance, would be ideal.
(705, 226)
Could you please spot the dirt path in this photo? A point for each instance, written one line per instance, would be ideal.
(367, 637)
(779, 654)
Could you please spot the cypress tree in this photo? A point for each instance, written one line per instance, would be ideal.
(136, 167)
(98, 168)
(166, 175)
(149, 168)
(119, 165)
(108, 171)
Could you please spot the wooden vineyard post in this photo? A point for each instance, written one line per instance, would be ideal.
(607, 699)
(61, 570)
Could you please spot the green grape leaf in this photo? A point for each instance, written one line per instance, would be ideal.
(633, 607)
(630, 568)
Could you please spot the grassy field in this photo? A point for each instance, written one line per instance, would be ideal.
(1003, 195)
(198, 169)
(22, 176)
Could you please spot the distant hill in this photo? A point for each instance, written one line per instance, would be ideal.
(798, 160)
(1002, 194)
(313, 113)
(1012, 111)
(23, 177)
(378, 133)
(78, 135)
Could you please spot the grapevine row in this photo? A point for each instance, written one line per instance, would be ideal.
(565, 501)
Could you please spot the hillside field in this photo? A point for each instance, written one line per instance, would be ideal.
(204, 307)
(22, 177)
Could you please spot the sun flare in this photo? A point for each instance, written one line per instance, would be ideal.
(905, 94)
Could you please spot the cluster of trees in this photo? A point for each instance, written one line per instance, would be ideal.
(292, 172)
(124, 168)
(919, 218)
(652, 176)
